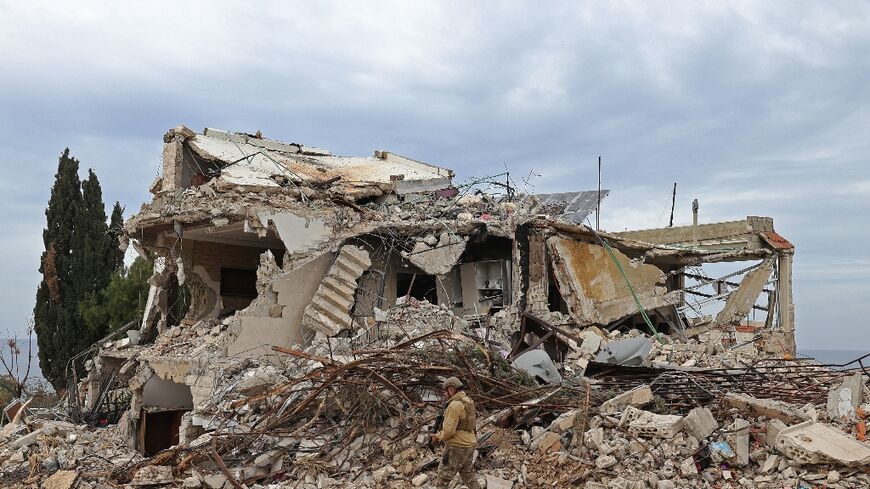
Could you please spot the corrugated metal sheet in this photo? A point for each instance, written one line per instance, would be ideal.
(573, 206)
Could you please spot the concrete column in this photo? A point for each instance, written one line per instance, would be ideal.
(537, 293)
(172, 164)
(784, 295)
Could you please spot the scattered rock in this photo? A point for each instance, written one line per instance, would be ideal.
(62, 479)
(153, 475)
(700, 423)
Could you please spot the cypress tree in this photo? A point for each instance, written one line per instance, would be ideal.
(116, 228)
(92, 263)
(55, 316)
(78, 262)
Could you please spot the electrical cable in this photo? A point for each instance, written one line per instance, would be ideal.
(640, 308)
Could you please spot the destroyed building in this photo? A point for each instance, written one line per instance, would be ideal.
(278, 266)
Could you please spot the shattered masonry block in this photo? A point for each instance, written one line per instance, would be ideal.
(594, 438)
(638, 396)
(62, 479)
(649, 425)
(844, 398)
(700, 423)
(437, 257)
(329, 310)
(688, 467)
(605, 461)
(592, 338)
(564, 422)
(770, 464)
(738, 438)
(812, 443)
(548, 442)
(152, 475)
(26, 440)
(774, 426)
(765, 407)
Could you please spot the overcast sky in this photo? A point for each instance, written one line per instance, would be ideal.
(754, 108)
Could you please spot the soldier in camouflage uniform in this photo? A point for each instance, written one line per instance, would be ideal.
(457, 433)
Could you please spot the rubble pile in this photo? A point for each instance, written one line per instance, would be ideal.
(35, 449)
(362, 420)
(305, 308)
(414, 318)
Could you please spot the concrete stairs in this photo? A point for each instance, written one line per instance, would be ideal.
(329, 309)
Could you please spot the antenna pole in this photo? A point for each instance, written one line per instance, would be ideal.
(598, 208)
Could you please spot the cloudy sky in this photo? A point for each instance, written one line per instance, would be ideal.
(754, 108)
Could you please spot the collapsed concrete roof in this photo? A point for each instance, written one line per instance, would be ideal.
(253, 161)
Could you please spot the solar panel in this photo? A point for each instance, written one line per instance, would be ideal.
(572, 206)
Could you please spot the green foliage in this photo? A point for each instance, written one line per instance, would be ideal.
(122, 301)
(116, 227)
(92, 264)
(78, 261)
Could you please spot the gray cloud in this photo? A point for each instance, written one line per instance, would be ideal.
(752, 108)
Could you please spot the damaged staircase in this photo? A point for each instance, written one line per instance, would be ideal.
(329, 309)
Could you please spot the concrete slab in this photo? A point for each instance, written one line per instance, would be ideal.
(812, 443)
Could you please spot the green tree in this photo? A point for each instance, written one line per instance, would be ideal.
(54, 312)
(93, 260)
(116, 228)
(122, 301)
(78, 261)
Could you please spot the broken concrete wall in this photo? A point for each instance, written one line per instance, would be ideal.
(594, 288)
(379, 285)
(161, 404)
(295, 290)
(391, 265)
(166, 394)
(740, 302)
(154, 314)
(207, 260)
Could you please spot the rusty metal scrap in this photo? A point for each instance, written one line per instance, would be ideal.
(683, 389)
